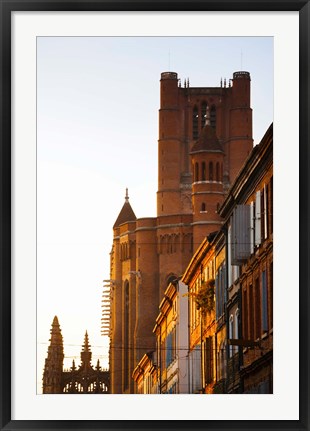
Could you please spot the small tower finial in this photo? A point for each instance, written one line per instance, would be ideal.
(126, 197)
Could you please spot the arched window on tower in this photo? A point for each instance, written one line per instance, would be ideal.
(203, 207)
(213, 116)
(211, 171)
(203, 113)
(195, 122)
(196, 172)
(217, 171)
(203, 171)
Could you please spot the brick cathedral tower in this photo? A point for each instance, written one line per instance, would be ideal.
(205, 135)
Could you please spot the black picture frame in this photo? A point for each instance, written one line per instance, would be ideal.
(9, 6)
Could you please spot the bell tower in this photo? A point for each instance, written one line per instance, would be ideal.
(207, 188)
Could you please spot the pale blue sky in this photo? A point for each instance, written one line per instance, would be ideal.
(97, 130)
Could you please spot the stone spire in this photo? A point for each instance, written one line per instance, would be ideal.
(86, 353)
(52, 375)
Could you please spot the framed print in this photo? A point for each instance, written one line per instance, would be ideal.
(140, 196)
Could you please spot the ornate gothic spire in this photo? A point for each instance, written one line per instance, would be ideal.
(86, 353)
(52, 375)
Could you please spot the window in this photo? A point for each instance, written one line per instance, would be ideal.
(211, 171)
(245, 314)
(203, 207)
(217, 171)
(195, 122)
(237, 314)
(258, 218)
(213, 117)
(220, 289)
(203, 171)
(264, 303)
(170, 347)
(263, 214)
(196, 172)
(266, 209)
(252, 227)
(251, 313)
(208, 360)
(203, 114)
(258, 320)
(231, 333)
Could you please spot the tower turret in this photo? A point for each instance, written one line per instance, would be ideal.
(207, 188)
(240, 125)
(169, 146)
(52, 375)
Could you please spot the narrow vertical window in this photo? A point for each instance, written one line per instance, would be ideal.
(213, 117)
(195, 122)
(203, 207)
(252, 227)
(231, 333)
(251, 313)
(258, 320)
(210, 171)
(203, 113)
(262, 207)
(266, 206)
(258, 218)
(264, 303)
(245, 315)
(196, 172)
(203, 171)
(217, 171)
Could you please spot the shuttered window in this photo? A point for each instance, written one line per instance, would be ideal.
(258, 218)
(240, 234)
(208, 354)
